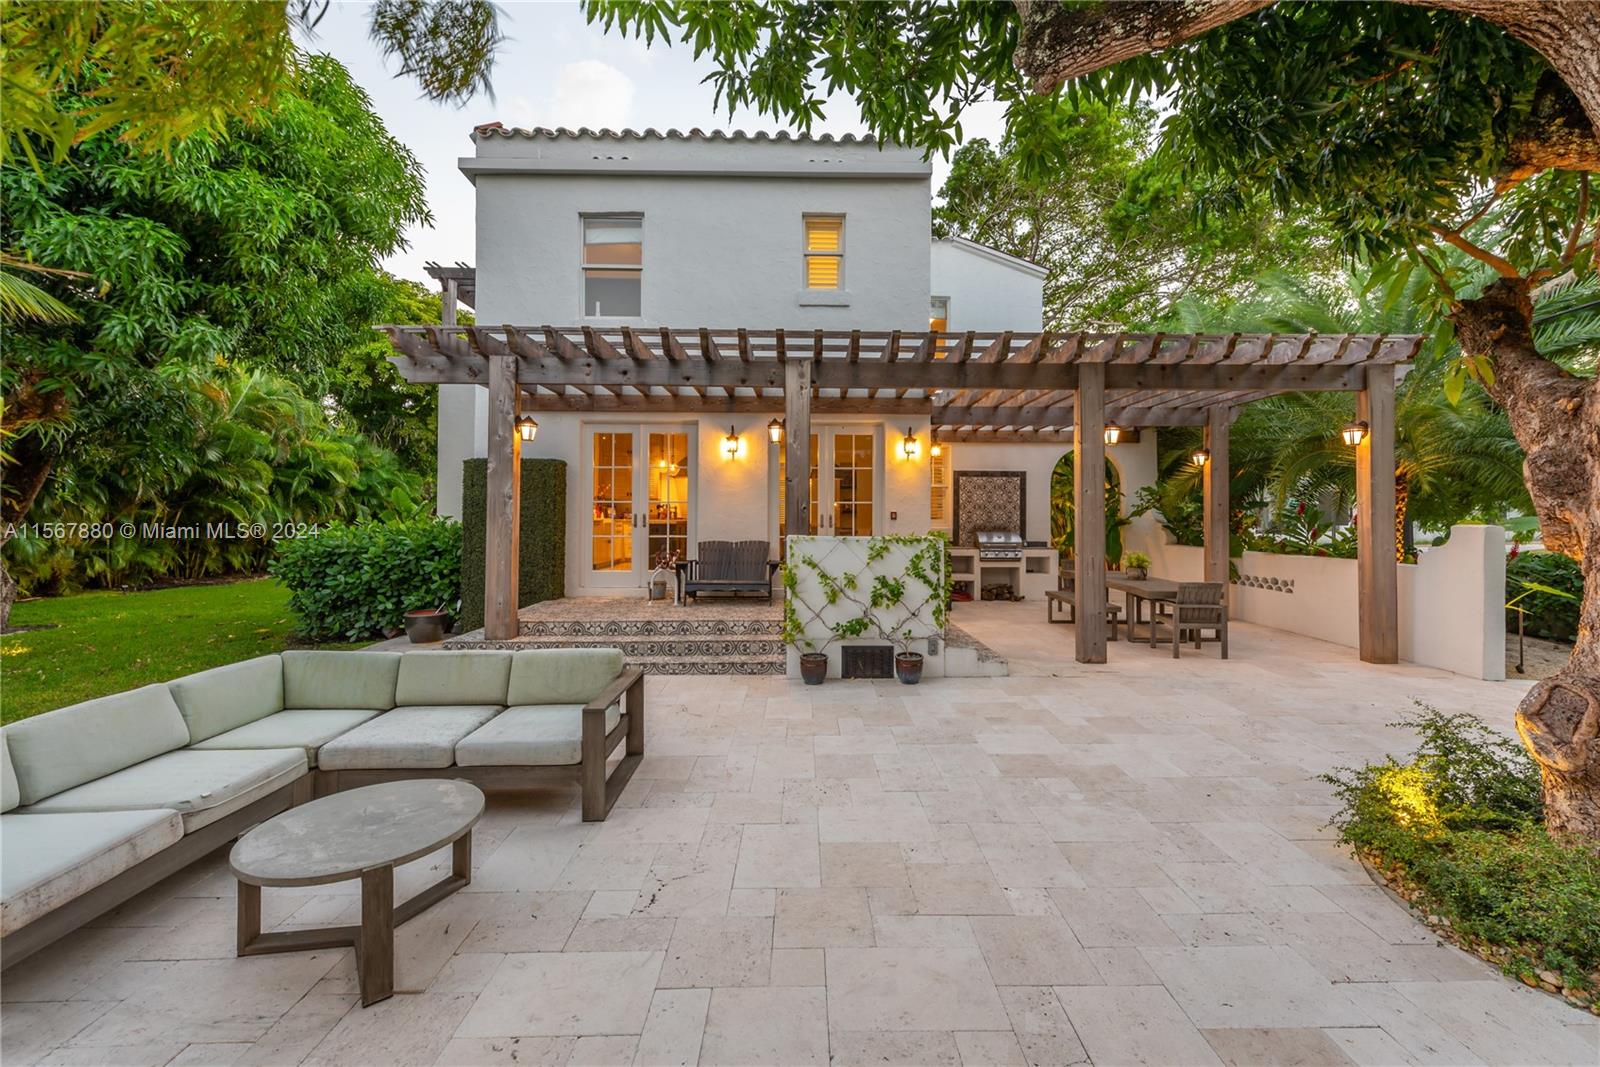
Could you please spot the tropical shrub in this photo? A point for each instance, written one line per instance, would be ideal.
(217, 450)
(1457, 829)
(1529, 578)
(356, 582)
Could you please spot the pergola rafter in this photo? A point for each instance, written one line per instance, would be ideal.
(1037, 386)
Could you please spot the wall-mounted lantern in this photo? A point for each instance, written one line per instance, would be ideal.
(775, 431)
(909, 446)
(527, 428)
(1113, 433)
(731, 445)
(935, 449)
(1354, 433)
(1200, 456)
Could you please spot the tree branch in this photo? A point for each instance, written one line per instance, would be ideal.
(1501, 266)
(1573, 238)
(1059, 42)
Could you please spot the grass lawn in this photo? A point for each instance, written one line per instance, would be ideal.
(106, 642)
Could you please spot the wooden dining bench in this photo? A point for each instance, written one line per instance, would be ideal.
(1067, 597)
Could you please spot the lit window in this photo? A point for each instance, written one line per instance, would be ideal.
(613, 261)
(939, 314)
(939, 498)
(824, 251)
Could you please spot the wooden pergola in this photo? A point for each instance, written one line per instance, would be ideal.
(996, 386)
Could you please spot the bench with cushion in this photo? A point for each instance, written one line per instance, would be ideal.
(105, 798)
(731, 567)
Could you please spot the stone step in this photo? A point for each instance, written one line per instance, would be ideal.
(651, 646)
(620, 628)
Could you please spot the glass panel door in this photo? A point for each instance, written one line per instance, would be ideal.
(611, 539)
(853, 489)
(667, 520)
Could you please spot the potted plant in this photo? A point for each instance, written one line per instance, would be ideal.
(426, 625)
(665, 562)
(813, 665)
(1135, 565)
(907, 664)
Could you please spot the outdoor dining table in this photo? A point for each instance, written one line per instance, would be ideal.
(1139, 591)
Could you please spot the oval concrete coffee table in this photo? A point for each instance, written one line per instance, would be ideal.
(363, 833)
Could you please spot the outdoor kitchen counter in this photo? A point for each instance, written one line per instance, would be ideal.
(1034, 574)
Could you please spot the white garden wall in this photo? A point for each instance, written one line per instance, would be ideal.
(816, 617)
(1451, 601)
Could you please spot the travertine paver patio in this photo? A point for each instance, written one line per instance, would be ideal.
(1114, 864)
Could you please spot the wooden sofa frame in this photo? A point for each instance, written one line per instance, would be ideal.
(600, 792)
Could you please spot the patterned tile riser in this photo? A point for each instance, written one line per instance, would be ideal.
(650, 628)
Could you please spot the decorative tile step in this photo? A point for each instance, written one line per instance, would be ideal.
(710, 626)
(708, 646)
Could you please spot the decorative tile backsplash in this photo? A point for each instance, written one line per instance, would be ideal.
(988, 500)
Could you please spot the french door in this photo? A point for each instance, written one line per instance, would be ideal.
(846, 499)
(641, 481)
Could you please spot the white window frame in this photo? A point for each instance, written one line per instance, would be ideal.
(584, 218)
(806, 253)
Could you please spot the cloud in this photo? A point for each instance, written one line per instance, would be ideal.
(590, 93)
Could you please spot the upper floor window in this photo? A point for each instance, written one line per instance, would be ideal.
(613, 265)
(824, 251)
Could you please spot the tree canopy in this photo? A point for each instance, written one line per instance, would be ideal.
(1120, 236)
(159, 71)
(229, 285)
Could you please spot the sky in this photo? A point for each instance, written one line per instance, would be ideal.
(554, 70)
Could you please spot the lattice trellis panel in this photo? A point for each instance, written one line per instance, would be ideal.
(832, 581)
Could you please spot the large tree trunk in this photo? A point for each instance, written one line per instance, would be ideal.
(1556, 418)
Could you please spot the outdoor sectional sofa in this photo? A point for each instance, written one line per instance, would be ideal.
(105, 798)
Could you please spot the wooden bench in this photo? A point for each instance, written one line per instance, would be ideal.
(731, 567)
(1068, 598)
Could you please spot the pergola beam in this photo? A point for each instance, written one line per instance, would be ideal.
(1378, 611)
(1089, 516)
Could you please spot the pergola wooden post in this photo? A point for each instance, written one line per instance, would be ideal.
(1215, 508)
(1378, 608)
(504, 490)
(1089, 503)
(797, 445)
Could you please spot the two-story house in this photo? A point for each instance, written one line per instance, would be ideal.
(715, 230)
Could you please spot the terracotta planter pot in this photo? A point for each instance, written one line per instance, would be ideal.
(908, 667)
(813, 667)
(427, 625)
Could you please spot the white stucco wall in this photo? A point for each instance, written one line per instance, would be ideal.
(988, 290)
(1451, 601)
(722, 237)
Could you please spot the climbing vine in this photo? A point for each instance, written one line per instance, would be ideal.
(872, 600)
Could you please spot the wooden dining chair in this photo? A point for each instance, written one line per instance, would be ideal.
(1197, 607)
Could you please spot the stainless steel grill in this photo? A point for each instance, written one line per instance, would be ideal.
(996, 545)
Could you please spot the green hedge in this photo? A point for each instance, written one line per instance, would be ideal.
(357, 582)
(543, 528)
(1547, 615)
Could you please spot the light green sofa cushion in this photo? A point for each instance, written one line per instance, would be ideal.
(452, 678)
(405, 738)
(537, 735)
(9, 797)
(224, 698)
(200, 785)
(561, 675)
(340, 679)
(48, 860)
(307, 728)
(62, 749)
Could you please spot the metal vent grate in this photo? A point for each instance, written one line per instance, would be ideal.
(867, 661)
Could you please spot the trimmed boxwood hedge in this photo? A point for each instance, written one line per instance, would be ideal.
(542, 525)
(358, 582)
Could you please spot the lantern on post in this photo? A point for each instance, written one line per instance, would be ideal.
(527, 428)
(775, 431)
(1354, 433)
